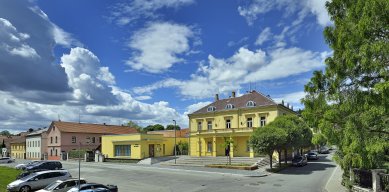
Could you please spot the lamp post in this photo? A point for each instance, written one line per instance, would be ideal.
(175, 147)
(79, 164)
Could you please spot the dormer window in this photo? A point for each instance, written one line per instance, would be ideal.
(229, 106)
(250, 104)
(211, 108)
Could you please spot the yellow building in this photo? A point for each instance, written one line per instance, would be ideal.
(138, 145)
(18, 148)
(233, 119)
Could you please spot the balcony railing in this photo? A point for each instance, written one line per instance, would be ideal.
(230, 130)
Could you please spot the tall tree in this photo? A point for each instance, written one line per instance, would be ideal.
(268, 139)
(319, 140)
(5, 133)
(349, 102)
(171, 127)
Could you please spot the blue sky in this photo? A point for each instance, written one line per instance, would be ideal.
(151, 61)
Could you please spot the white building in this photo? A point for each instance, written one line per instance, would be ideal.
(36, 144)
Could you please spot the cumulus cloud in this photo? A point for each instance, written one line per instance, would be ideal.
(293, 99)
(159, 46)
(194, 107)
(128, 12)
(302, 9)
(245, 66)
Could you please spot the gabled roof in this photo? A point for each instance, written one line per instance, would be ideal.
(72, 127)
(239, 102)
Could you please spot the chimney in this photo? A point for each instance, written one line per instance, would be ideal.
(217, 97)
(233, 94)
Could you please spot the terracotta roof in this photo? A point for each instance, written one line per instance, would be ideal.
(37, 132)
(18, 140)
(239, 102)
(72, 127)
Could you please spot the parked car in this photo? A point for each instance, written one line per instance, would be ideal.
(37, 180)
(324, 150)
(62, 186)
(299, 161)
(6, 160)
(94, 186)
(49, 165)
(312, 156)
(24, 165)
(27, 173)
(96, 190)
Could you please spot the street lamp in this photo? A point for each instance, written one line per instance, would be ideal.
(175, 147)
(79, 165)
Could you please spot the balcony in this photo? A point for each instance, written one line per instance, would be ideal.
(223, 131)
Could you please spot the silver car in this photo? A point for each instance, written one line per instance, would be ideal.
(6, 160)
(62, 186)
(38, 180)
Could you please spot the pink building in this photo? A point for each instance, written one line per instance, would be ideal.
(65, 136)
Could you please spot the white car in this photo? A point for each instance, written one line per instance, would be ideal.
(22, 165)
(37, 180)
(6, 160)
(62, 186)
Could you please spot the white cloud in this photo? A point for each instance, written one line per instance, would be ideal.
(126, 13)
(302, 8)
(194, 107)
(159, 46)
(264, 36)
(245, 66)
(293, 99)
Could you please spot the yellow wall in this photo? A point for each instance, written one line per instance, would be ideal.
(239, 131)
(140, 144)
(18, 150)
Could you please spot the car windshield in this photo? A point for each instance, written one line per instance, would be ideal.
(53, 185)
(28, 177)
(298, 158)
(311, 153)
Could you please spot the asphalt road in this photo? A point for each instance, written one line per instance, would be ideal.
(129, 177)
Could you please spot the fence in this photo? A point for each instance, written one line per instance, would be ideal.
(363, 178)
(384, 182)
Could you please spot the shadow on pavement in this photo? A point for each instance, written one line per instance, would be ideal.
(313, 165)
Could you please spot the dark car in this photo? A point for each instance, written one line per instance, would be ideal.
(312, 156)
(299, 161)
(94, 186)
(324, 150)
(49, 165)
(27, 173)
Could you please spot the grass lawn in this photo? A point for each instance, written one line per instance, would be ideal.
(7, 175)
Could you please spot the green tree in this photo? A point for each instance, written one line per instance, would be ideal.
(319, 140)
(182, 147)
(171, 127)
(268, 139)
(156, 127)
(134, 125)
(349, 102)
(5, 133)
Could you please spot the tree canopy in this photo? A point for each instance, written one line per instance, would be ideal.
(268, 139)
(349, 102)
(134, 125)
(171, 127)
(5, 133)
(156, 127)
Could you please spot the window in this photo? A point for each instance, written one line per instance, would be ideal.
(250, 122)
(250, 104)
(39, 143)
(56, 139)
(93, 140)
(211, 108)
(229, 106)
(56, 152)
(199, 126)
(122, 150)
(51, 152)
(209, 146)
(262, 122)
(74, 139)
(51, 139)
(209, 125)
(228, 123)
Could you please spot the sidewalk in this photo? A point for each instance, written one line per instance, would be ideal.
(335, 180)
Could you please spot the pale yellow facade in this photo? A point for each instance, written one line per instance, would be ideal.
(208, 131)
(18, 150)
(138, 145)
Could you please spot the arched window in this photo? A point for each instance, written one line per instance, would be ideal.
(250, 104)
(229, 106)
(211, 108)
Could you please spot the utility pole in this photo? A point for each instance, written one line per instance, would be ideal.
(175, 147)
(79, 165)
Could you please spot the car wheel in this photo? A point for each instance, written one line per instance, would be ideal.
(25, 189)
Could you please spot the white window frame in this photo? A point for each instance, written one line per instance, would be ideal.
(249, 122)
(228, 123)
(211, 108)
(250, 104)
(74, 139)
(209, 146)
(199, 126)
(262, 121)
(209, 125)
(229, 106)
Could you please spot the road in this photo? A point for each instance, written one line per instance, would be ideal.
(129, 177)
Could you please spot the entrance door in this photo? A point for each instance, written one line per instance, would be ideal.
(151, 150)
